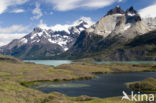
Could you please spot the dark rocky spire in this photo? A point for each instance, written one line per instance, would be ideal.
(116, 10)
(132, 15)
(131, 10)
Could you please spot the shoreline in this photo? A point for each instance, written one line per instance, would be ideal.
(12, 74)
(91, 76)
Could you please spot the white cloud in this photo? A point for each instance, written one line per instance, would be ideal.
(14, 29)
(37, 12)
(51, 13)
(97, 4)
(4, 4)
(18, 11)
(13, 32)
(63, 5)
(6, 38)
(149, 11)
(120, 0)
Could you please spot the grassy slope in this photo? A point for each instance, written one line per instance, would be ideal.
(13, 73)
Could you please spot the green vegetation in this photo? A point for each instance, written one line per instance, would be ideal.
(16, 76)
(147, 85)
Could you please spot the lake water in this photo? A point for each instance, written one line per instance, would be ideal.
(50, 62)
(59, 62)
(106, 85)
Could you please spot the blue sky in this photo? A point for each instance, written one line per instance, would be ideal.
(19, 17)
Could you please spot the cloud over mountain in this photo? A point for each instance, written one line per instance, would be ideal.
(13, 29)
(7, 34)
(149, 11)
(37, 12)
(6, 38)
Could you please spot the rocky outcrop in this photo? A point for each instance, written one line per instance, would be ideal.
(116, 10)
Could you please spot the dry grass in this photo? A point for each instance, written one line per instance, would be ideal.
(13, 73)
(108, 68)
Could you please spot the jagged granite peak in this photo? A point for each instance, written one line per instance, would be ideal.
(119, 23)
(108, 38)
(132, 15)
(116, 10)
(131, 10)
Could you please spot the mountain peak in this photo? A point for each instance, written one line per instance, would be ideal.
(83, 20)
(132, 15)
(37, 29)
(116, 10)
(131, 10)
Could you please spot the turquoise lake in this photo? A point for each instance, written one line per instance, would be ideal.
(59, 62)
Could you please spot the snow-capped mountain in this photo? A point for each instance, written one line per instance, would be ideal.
(76, 27)
(47, 40)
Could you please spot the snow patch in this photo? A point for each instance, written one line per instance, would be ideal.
(33, 36)
(127, 26)
(117, 14)
(65, 49)
(131, 14)
(24, 40)
(40, 34)
(59, 27)
(81, 29)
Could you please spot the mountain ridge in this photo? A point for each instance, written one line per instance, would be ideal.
(46, 41)
(107, 39)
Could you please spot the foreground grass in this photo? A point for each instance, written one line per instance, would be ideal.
(13, 92)
(15, 76)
